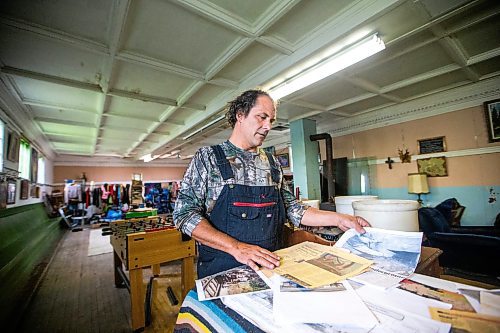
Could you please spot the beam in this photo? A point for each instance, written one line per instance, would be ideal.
(51, 79)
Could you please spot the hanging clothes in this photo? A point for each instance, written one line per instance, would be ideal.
(105, 192)
(72, 192)
(126, 197)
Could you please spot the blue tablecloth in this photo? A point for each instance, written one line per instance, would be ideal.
(210, 316)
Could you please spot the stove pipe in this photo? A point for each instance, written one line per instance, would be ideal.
(329, 162)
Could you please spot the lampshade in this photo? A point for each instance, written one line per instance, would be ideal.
(417, 183)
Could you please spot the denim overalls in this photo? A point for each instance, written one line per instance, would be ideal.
(251, 214)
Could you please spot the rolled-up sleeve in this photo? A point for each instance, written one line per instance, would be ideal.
(190, 205)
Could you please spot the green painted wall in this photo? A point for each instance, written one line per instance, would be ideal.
(28, 238)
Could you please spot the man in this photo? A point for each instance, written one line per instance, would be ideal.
(232, 201)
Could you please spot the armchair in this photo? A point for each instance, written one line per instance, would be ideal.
(463, 248)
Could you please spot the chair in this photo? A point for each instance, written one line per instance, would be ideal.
(74, 226)
(462, 248)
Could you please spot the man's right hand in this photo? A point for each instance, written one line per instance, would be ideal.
(255, 256)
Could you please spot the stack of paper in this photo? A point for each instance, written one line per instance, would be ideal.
(364, 283)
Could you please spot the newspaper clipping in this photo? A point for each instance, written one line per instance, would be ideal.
(313, 265)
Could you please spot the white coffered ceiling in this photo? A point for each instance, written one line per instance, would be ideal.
(121, 79)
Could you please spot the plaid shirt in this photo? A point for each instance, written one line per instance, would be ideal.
(203, 183)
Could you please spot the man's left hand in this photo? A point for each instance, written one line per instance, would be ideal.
(352, 222)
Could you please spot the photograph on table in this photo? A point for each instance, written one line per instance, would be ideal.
(238, 280)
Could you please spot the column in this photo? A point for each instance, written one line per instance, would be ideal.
(305, 159)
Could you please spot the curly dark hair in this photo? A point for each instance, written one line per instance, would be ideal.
(242, 104)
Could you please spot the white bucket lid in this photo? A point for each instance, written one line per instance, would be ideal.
(386, 205)
(348, 199)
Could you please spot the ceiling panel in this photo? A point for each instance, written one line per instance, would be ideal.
(476, 39)
(57, 94)
(149, 81)
(89, 18)
(254, 56)
(297, 23)
(23, 50)
(65, 115)
(332, 90)
(366, 104)
(50, 127)
(488, 67)
(397, 69)
(249, 11)
(176, 35)
(439, 83)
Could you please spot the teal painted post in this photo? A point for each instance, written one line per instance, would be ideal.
(305, 158)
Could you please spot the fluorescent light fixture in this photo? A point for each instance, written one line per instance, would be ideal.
(346, 57)
(148, 158)
(204, 126)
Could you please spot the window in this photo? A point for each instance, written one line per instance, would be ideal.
(24, 160)
(363, 184)
(41, 171)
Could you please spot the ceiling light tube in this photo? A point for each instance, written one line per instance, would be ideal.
(148, 158)
(354, 53)
(204, 126)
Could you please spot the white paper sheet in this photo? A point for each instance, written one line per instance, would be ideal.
(339, 306)
(397, 299)
(396, 321)
(258, 309)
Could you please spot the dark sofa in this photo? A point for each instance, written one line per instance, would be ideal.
(472, 249)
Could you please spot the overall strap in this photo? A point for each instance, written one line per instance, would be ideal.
(222, 162)
(275, 173)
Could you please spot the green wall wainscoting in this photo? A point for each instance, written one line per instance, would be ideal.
(28, 239)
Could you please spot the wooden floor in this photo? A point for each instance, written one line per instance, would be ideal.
(77, 294)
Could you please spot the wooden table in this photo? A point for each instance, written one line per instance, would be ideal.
(428, 264)
(140, 250)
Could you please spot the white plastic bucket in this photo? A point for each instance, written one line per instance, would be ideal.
(389, 214)
(343, 204)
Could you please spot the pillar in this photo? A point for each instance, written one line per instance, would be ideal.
(305, 159)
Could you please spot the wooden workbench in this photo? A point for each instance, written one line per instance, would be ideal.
(140, 250)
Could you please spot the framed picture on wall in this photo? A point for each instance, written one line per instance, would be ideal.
(284, 160)
(431, 145)
(33, 190)
(11, 192)
(3, 194)
(433, 167)
(492, 115)
(25, 188)
(34, 165)
(13, 147)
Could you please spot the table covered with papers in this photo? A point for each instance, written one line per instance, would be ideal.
(376, 292)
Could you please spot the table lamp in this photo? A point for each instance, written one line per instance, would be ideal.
(417, 184)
